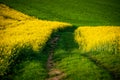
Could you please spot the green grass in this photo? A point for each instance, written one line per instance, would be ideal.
(108, 60)
(68, 58)
(93, 66)
(76, 12)
(27, 64)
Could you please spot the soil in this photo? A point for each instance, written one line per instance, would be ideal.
(54, 74)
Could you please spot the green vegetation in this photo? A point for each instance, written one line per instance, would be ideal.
(22, 36)
(76, 12)
(25, 40)
(27, 65)
(71, 61)
(101, 45)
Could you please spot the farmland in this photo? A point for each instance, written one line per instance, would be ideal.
(76, 12)
(59, 40)
(97, 53)
(22, 35)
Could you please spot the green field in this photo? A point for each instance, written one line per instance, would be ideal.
(76, 12)
(59, 40)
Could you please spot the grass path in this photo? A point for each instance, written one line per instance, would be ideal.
(65, 62)
(113, 75)
(62, 60)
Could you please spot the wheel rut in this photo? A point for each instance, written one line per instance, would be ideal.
(53, 73)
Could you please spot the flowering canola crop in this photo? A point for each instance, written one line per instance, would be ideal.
(98, 38)
(19, 29)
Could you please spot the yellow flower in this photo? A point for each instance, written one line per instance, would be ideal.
(19, 29)
(93, 38)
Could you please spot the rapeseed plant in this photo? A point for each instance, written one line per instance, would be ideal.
(98, 38)
(102, 45)
(17, 30)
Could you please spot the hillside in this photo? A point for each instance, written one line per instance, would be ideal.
(59, 40)
(76, 12)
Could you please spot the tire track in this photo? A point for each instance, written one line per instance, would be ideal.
(53, 73)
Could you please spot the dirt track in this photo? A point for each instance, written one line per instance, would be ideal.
(54, 74)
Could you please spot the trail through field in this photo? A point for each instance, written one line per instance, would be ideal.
(53, 73)
(27, 53)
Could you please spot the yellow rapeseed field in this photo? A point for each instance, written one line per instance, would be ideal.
(98, 38)
(19, 29)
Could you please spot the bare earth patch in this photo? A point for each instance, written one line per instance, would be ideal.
(54, 74)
